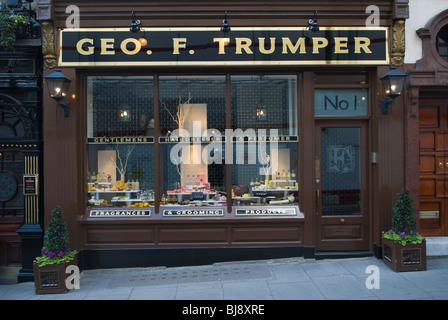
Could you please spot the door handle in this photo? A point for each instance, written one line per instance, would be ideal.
(446, 164)
(441, 165)
(317, 201)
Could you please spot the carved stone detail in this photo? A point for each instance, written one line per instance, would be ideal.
(398, 46)
(48, 50)
(401, 9)
(431, 60)
(43, 9)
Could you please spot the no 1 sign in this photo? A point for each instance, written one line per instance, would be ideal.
(341, 102)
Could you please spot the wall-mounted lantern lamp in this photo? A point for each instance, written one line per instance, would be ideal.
(393, 83)
(58, 85)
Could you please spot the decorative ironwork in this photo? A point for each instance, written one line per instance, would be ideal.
(16, 121)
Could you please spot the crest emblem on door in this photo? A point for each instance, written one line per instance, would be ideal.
(341, 158)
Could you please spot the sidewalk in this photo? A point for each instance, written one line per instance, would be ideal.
(285, 279)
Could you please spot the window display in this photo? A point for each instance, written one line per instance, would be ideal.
(120, 131)
(264, 120)
(198, 141)
(192, 125)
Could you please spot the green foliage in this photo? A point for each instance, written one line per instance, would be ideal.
(56, 235)
(8, 25)
(403, 237)
(49, 257)
(403, 219)
(404, 225)
(56, 243)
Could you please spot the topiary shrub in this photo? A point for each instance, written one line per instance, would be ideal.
(404, 225)
(56, 241)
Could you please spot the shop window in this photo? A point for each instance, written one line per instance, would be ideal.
(265, 140)
(442, 43)
(193, 137)
(120, 128)
(192, 127)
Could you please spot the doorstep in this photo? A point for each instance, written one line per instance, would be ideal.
(436, 246)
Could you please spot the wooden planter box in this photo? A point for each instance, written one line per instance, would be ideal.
(410, 257)
(51, 278)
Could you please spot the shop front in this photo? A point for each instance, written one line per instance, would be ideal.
(188, 145)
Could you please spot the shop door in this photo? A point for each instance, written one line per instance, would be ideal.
(341, 192)
(433, 122)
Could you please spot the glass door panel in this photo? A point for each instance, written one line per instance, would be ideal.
(341, 174)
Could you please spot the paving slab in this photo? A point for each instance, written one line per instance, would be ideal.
(282, 279)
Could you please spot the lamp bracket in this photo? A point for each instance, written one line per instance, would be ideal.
(65, 106)
(385, 105)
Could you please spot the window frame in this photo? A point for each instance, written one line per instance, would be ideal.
(83, 78)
